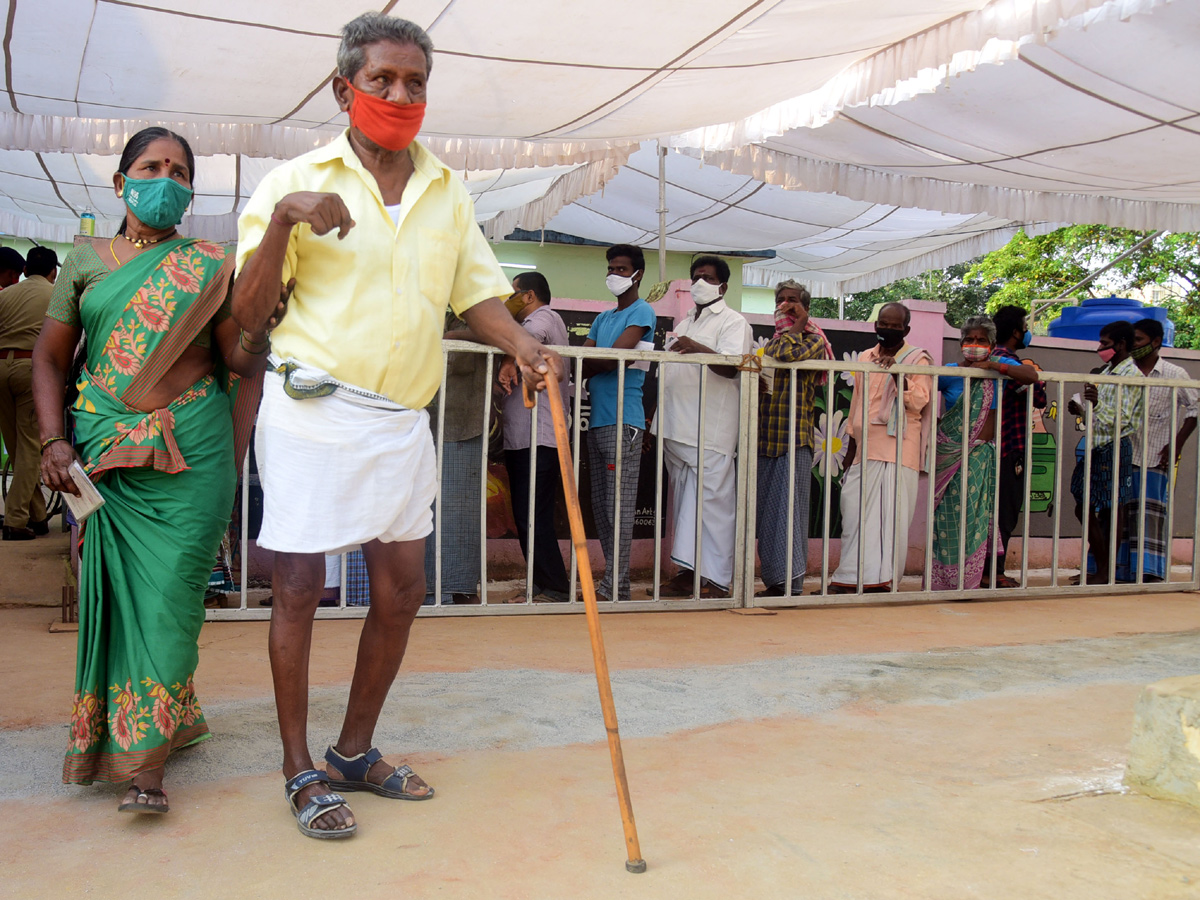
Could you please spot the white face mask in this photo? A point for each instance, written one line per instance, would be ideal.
(704, 293)
(618, 284)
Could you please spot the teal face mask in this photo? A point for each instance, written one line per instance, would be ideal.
(158, 203)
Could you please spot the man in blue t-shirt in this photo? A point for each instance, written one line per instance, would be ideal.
(632, 321)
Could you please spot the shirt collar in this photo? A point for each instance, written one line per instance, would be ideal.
(716, 307)
(340, 149)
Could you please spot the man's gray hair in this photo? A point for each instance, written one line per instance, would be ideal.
(372, 27)
(980, 323)
(790, 285)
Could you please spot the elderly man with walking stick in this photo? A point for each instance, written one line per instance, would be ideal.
(375, 237)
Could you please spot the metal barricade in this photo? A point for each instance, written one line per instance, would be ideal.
(907, 379)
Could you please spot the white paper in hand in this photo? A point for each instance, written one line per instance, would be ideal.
(89, 499)
(643, 364)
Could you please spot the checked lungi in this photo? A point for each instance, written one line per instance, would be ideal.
(602, 457)
(462, 493)
(1155, 550)
(772, 520)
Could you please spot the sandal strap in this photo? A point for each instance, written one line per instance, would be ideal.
(318, 806)
(353, 768)
(301, 780)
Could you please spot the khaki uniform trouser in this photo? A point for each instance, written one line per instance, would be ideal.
(19, 428)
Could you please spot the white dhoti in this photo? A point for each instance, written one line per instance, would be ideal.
(717, 521)
(885, 514)
(341, 470)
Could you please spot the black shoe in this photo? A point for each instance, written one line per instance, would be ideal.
(42, 528)
(15, 533)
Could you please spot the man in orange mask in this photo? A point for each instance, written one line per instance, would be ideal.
(374, 238)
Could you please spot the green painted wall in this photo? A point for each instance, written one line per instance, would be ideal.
(23, 246)
(577, 272)
(758, 300)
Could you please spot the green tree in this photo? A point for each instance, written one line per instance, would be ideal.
(964, 295)
(1043, 267)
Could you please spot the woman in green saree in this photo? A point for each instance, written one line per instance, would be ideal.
(166, 400)
(951, 504)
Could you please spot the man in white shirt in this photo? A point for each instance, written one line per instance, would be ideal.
(1155, 458)
(712, 327)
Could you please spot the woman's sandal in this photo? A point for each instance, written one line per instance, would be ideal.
(354, 771)
(139, 804)
(316, 806)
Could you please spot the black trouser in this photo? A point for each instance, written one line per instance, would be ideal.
(549, 573)
(1014, 488)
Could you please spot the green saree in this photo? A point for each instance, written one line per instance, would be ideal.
(951, 506)
(168, 478)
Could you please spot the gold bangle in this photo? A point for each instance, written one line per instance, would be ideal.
(264, 344)
(52, 440)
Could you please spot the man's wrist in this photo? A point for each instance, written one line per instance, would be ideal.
(280, 217)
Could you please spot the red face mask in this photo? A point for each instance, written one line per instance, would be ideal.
(1106, 354)
(393, 126)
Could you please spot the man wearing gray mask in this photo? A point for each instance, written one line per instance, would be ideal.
(711, 327)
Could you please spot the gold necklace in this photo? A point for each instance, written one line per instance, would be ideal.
(143, 243)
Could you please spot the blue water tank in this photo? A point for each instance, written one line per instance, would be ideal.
(1083, 322)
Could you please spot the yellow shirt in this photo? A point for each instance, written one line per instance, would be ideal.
(369, 309)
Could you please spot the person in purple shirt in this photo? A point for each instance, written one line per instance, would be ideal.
(531, 308)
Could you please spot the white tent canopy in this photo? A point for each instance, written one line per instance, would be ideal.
(839, 245)
(1101, 124)
(541, 103)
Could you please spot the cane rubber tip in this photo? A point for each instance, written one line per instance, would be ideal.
(636, 866)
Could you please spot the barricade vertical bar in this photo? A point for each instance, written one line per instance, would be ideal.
(1025, 480)
(747, 387)
(931, 478)
(1195, 527)
(244, 529)
(615, 562)
(698, 549)
(1196, 523)
(791, 501)
(993, 534)
(1114, 511)
(827, 477)
(899, 554)
(751, 495)
(530, 519)
(1145, 467)
(440, 449)
(1061, 412)
(343, 580)
(577, 437)
(1089, 413)
(964, 458)
(862, 481)
(483, 479)
(1172, 450)
(658, 485)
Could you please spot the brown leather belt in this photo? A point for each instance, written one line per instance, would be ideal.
(10, 353)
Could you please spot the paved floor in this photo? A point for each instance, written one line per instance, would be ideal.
(939, 751)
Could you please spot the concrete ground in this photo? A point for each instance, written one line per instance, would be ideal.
(961, 750)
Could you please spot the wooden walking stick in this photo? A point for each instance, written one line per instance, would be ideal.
(634, 862)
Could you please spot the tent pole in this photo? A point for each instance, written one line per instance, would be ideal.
(1038, 306)
(662, 212)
